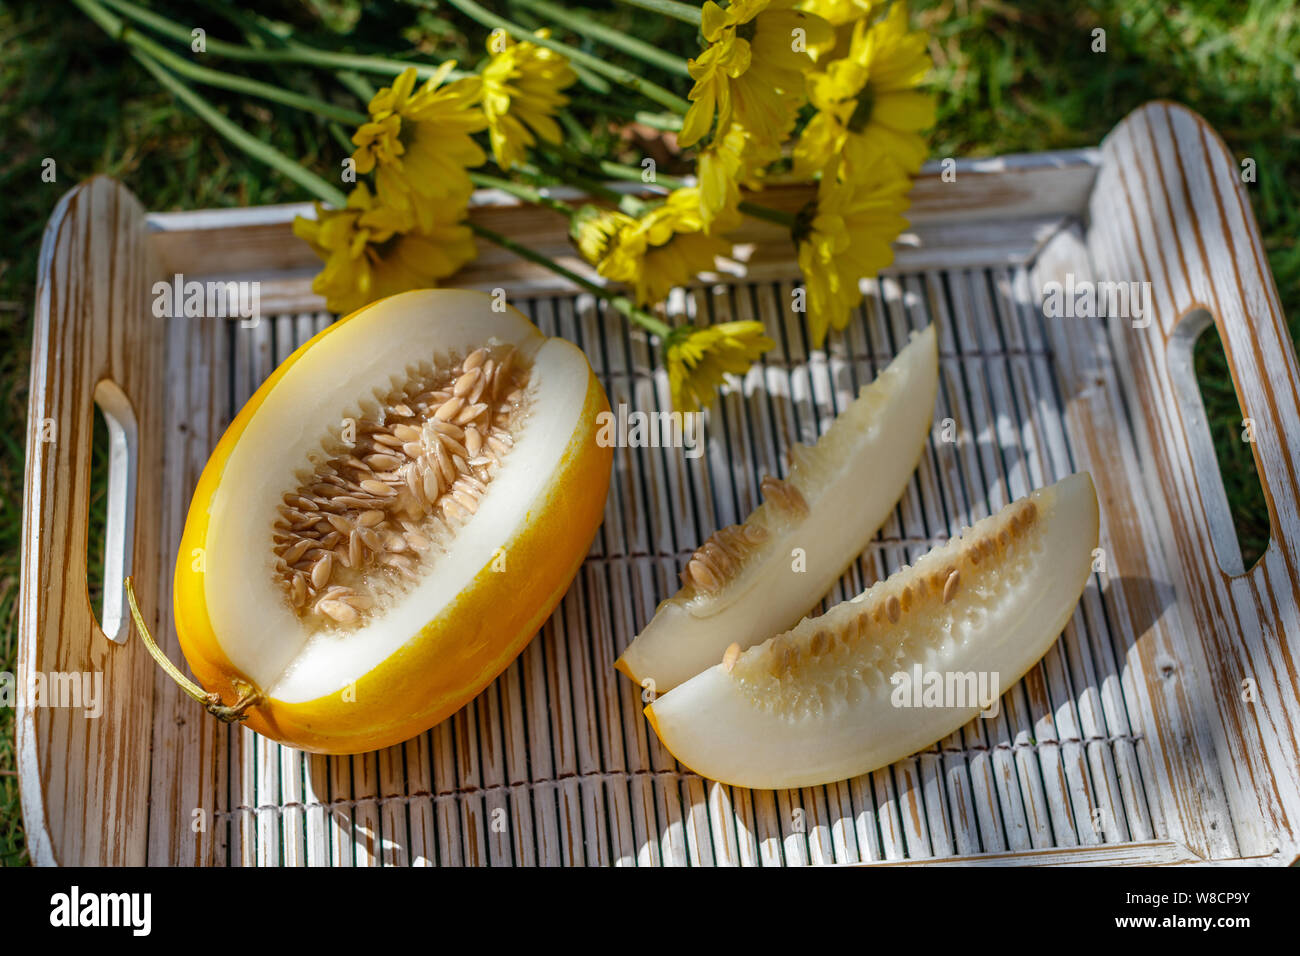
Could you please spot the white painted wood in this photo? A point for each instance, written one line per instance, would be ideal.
(84, 780)
(1117, 721)
(1175, 215)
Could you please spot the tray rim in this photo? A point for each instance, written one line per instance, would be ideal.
(1067, 168)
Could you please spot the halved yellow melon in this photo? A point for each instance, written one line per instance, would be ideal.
(750, 580)
(899, 666)
(390, 519)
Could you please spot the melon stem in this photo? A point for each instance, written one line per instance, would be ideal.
(212, 703)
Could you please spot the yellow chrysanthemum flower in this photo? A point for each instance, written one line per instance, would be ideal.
(731, 162)
(656, 251)
(372, 250)
(845, 236)
(594, 229)
(867, 104)
(841, 15)
(418, 143)
(697, 358)
(752, 70)
(521, 92)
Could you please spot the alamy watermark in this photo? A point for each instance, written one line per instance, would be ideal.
(1085, 299)
(213, 299)
(133, 911)
(959, 689)
(637, 429)
(74, 690)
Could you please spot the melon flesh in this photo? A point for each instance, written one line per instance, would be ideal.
(287, 656)
(824, 701)
(849, 483)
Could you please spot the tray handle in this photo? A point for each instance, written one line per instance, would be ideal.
(1169, 207)
(119, 528)
(83, 754)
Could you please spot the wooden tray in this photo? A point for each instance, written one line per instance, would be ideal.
(1159, 729)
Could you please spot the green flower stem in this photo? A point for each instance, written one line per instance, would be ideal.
(261, 36)
(360, 62)
(119, 30)
(241, 138)
(619, 75)
(356, 84)
(752, 209)
(575, 132)
(592, 81)
(342, 138)
(622, 303)
(678, 11)
(575, 21)
(665, 122)
(528, 194)
(626, 202)
(333, 197)
(295, 52)
(632, 205)
(634, 174)
(767, 213)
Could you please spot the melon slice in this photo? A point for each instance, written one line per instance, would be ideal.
(837, 695)
(389, 520)
(750, 580)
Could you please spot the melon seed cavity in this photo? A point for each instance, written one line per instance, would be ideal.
(366, 518)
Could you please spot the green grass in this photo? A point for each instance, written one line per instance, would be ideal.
(1025, 78)
(1012, 79)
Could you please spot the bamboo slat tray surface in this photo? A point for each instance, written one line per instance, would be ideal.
(1159, 729)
